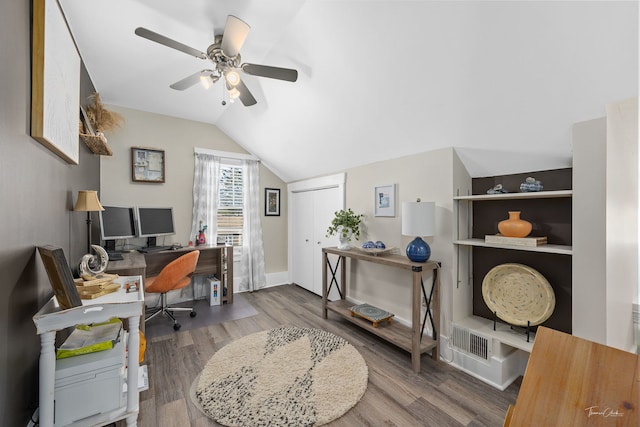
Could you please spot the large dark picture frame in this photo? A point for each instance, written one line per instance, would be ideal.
(60, 276)
(272, 202)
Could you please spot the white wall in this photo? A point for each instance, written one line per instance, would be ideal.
(589, 231)
(178, 137)
(428, 176)
(605, 226)
(622, 222)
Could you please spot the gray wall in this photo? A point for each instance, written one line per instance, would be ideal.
(37, 192)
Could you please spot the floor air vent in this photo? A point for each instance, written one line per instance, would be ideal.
(470, 342)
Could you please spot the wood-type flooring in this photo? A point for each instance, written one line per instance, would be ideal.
(439, 395)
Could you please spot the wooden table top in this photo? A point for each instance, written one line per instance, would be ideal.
(570, 381)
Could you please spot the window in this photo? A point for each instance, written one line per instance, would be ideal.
(230, 203)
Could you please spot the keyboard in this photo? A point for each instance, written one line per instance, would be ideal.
(115, 256)
(155, 249)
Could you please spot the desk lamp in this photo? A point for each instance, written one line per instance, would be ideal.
(88, 202)
(418, 219)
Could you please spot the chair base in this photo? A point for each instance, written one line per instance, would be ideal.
(167, 310)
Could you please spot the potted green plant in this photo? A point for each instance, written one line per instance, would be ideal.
(345, 224)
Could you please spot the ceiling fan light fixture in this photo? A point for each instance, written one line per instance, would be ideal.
(234, 93)
(205, 81)
(233, 78)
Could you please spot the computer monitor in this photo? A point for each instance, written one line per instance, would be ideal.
(117, 222)
(154, 222)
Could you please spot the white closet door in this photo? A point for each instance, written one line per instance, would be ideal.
(325, 203)
(312, 213)
(303, 239)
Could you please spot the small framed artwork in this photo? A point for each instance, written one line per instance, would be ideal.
(60, 276)
(385, 200)
(272, 202)
(147, 165)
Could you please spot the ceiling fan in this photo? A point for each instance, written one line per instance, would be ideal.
(224, 53)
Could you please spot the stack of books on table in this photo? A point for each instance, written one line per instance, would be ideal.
(91, 287)
(516, 241)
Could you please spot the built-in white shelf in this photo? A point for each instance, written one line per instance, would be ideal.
(514, 196)
(516, 338)
(550, 249)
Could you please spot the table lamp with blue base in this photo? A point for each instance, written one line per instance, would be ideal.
(418, 219)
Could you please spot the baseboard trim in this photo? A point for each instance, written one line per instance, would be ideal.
(277, 279)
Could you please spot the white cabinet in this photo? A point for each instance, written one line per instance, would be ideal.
(312, 205)
(51, 318)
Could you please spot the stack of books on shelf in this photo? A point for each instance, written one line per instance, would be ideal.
(516, 241)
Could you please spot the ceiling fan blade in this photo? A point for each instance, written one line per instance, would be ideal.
(271, 72)
(245, 95)
(193, 79)
(159, 38)
(235, 33)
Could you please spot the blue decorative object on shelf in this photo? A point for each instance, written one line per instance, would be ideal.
(418, 250)
(368, 245)
(531, 185)
(380, 245)
(498, 189)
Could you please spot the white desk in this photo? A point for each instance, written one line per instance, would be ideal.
(51, 318)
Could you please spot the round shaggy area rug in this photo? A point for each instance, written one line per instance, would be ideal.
(282, 377)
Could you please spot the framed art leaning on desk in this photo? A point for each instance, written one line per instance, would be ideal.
(60, 276)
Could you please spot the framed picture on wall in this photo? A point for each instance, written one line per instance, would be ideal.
(147, 165)
(272, 202)
(385, 200)
(55, 79)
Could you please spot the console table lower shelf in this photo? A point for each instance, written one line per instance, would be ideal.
(411, 339)
(395, 333)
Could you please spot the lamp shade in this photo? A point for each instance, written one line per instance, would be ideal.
(88, 201)
(418, 218)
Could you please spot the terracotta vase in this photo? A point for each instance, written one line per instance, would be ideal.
(514, 226)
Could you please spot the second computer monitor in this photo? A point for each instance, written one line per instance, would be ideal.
(154, 222)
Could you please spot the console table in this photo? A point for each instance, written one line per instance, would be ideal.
(410, 339)
(51, 318)
(212, 260)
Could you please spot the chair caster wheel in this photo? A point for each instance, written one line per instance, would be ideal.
(193, 314)
(176, 326)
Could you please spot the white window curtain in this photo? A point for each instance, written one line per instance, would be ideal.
(205, 190)
(252, 275)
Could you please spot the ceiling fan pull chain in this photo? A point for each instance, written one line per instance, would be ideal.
(224, 92)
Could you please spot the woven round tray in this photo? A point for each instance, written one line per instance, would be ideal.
(518, 294)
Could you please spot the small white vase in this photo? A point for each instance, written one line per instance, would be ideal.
(345, 240)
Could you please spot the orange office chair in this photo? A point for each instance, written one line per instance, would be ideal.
(175, 275)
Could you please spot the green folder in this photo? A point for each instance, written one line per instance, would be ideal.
(91, 338)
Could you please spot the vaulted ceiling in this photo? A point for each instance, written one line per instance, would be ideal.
(501, 81)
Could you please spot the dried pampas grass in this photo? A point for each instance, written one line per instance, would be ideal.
(101, 118)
